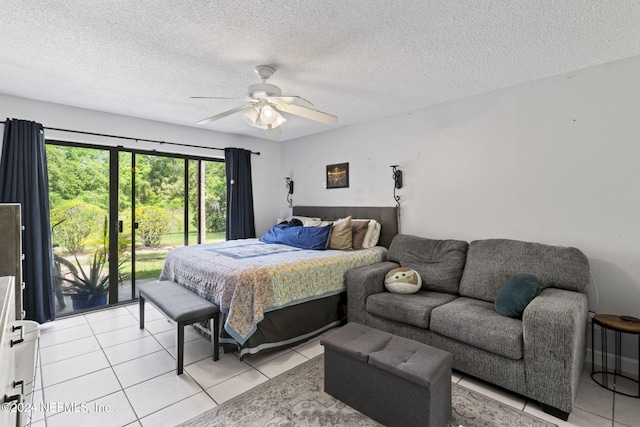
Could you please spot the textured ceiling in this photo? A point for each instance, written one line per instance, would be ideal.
(357, 59)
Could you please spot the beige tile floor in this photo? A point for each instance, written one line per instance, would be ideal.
(119, 375)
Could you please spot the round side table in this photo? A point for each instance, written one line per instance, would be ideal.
(617, 324)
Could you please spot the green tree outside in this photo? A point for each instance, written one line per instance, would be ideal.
(81, 175)
(75, 223)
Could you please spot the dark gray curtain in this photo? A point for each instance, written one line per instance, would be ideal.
(24, 180)
(240, 222)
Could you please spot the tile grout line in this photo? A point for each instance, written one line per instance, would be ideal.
(613, 410)
(122, 388)
(148, 379)
(102, 348)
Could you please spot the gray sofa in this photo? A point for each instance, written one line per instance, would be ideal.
(539, 356)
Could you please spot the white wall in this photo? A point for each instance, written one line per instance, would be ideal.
(264, 167)
(555, 161)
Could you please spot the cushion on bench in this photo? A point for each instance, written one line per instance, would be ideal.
(177, 302)
(182, 306)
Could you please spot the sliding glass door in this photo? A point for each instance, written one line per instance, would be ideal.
(79, 193)
(151, 212)
(152, 202)
(207, 201)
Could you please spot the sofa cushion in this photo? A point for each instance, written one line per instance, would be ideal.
(414, 309)
(439, 262)
(491, 262)
(516, 294)
(476, 323)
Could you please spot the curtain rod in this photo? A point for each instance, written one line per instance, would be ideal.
(137, 139)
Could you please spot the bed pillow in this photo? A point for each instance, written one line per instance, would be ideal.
(341, 234)
(372, 236)
(317, 223)
(370, 229)
(516, 294)
(359, 229)
(304, 219)
(301, 237)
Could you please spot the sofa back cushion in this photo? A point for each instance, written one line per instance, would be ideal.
(492, 262)
(439, 262)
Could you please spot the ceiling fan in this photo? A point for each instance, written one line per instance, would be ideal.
(265, 103)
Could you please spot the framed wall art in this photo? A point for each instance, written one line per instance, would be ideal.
(338, 175)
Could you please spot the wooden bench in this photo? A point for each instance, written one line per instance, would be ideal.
(183, 307)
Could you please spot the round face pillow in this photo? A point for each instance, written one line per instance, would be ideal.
(403, 280)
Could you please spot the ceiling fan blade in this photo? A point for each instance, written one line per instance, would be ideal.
(215, 97)
(221, 115)
(307, 113)
(288, 99)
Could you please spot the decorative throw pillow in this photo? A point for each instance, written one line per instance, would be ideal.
(359, 229)
(341, 234)
(516, 294)
(403, 280)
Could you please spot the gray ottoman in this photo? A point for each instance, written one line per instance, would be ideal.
(394, 380)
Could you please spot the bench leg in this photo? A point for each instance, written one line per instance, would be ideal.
(180, 348)
(141, 312)
(215, 328)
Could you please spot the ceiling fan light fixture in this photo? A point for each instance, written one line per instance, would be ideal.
(251, 116)
(268, 114)
(277, 120)
(264, 117)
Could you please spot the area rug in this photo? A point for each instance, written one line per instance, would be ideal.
(296, 398)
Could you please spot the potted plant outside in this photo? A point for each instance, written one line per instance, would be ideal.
(89, 288)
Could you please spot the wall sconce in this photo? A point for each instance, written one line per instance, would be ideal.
(289, 185)
(397, 183)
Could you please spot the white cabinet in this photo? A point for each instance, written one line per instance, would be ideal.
(10, 336)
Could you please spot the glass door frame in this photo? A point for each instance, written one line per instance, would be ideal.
(114, 189)
(114, 223)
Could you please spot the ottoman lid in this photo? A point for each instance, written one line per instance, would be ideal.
(357, 341)
(413, 361)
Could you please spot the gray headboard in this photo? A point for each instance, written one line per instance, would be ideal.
(386, 216)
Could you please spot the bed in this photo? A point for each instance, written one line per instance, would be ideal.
(275, 295)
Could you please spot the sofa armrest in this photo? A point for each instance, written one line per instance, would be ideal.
(554, 330)
(362, 282)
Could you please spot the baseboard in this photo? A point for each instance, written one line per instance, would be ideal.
(629, 366)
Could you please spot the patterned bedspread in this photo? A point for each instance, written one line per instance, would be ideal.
(247, 278)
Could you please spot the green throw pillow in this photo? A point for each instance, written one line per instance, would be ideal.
(516, 294)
